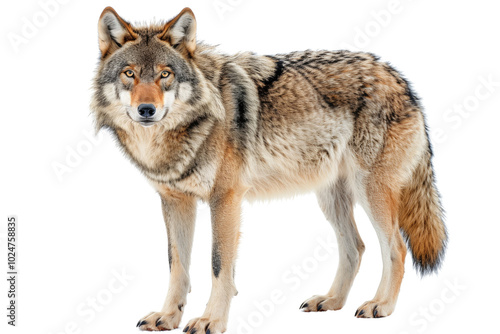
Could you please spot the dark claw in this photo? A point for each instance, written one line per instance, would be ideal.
(193, 330)
(140, 323)
(186, 329)
(158, 322)
(361, 313)
(356, 314)
(375, 312)
(318, 308)
(208, 331)
(304, 305)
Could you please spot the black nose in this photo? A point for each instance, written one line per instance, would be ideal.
(146, 110)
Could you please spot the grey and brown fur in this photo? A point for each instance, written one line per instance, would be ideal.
(234, 127)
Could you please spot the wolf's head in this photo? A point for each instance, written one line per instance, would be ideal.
(146, 74)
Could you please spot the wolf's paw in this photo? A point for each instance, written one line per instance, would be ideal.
(205, 325)
(321, 303)
(374, 309)
(161, 321)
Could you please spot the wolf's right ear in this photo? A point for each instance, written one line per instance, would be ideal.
(113, 32)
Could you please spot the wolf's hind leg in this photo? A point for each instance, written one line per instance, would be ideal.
(337, 204)
(383, 207)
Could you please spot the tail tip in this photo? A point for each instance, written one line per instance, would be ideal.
(429, 266)
(429, 260)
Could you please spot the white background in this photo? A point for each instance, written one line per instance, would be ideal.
(102, 217)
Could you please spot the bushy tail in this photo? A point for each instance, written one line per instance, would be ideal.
(421, 218)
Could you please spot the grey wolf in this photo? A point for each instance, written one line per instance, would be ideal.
(205, 126)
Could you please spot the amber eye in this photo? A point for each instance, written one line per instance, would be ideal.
(129, 73)
(165, 74)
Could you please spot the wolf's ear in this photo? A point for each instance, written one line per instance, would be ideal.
(113, 32)
(180, 32)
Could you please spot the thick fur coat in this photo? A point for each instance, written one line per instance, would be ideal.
(202, 125)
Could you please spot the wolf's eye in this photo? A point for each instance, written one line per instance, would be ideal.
(129, 73)
(165, 74)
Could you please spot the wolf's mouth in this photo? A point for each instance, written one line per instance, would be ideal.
(147, 123)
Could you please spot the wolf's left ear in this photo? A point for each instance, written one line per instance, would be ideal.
(180, 32)
(113, 32)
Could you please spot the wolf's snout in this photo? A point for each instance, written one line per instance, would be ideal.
(146, 110)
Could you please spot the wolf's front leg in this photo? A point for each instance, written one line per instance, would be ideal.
(179, 212)
(225, 225)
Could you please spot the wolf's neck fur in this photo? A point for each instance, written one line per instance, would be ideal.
(167, 155)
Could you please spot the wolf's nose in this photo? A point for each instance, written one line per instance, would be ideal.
(146, 110)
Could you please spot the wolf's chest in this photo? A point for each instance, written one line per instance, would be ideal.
(147, 152)
(172, 161)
